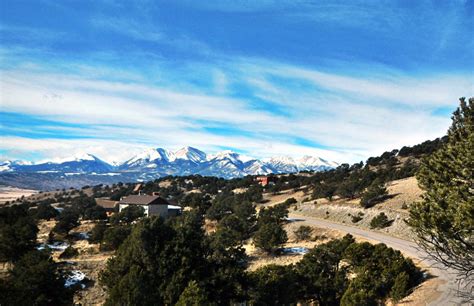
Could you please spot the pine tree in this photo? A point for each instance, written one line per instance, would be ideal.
(444, 220)
(270, 236)
(193, 295)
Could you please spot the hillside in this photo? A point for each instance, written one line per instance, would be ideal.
(219, 200)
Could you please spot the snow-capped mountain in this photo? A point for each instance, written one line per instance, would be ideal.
(78, 164)
(11, 165)
(154, 163)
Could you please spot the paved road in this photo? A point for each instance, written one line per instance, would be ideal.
(448, 288)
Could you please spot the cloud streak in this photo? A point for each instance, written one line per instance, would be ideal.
(346, 118)
(342, 81)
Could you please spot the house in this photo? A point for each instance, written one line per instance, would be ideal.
(110, 206)
(154, 205)
(265, 180)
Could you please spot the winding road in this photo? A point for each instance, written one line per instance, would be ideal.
(448, 287)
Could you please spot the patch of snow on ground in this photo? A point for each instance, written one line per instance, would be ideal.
(75, 277)
(296, 250)
(83, 235)
(56, 246)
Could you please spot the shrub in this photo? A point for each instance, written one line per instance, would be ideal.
(46, 212)
(380, 221)
(290, 201)
(374, 194)
(357, 217)
(303, 233)
(67, 220)
(97, 233)
(114, 237)
(95, 212)
(69, 252)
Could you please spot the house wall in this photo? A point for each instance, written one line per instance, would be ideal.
(158, 210)
(151, 210)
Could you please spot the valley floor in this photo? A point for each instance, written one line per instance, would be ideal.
(8, 194)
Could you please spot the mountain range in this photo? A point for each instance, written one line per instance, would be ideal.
(150, 164)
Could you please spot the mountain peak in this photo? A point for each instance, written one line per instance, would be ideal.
(191, 154)
(80, 156)
(152, 154)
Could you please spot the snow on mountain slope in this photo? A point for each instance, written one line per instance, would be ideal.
(314, 163)
(257, 167)
(76, 158)
(191, 154)
(282, 164)
(149, 156)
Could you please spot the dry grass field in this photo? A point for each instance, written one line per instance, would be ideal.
(8, 194)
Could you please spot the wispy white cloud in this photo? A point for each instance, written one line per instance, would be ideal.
(352, 117)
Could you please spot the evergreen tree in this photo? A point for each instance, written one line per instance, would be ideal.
(193, 295)
(274, 285)
(376, 193)
(270, 236)
(17, 232)
(400, 287)
(35, 280)
(67, 220)
(159, 259)
(128, 214)
(444, 220)
(46, 212)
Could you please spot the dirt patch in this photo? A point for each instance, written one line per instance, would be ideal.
(210, 226)
(165, 184)
(405, 191)
(45, 228)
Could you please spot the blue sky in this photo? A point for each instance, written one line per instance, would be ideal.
(341, 80)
